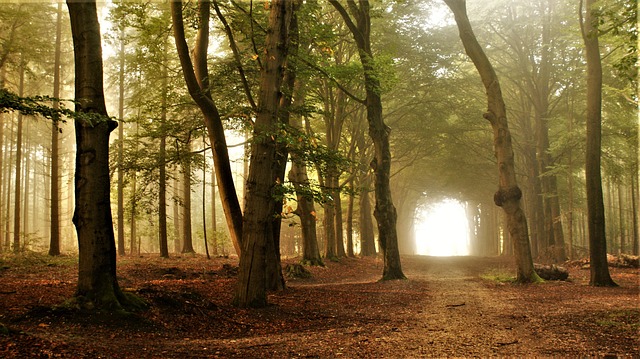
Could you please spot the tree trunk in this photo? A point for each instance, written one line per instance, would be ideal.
(54, 238)
(121, 69)
(259, 211)
(384, 212)
(162, 187)
(97, 282)
(177, 233)
(634, 210)
(367, 237)
(187, 240)
(18, 176)
(350, 204)
(162, 165)
(196, 78)
(509, 194)
(214, 221)
(595, 205)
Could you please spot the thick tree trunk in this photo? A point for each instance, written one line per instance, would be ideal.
(509, 194)
(259, 211)
(97, 282)
(196, 78)
(595, 206)
(54, 230)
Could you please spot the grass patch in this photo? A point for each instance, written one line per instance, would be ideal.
(499, 275)
(628, 319)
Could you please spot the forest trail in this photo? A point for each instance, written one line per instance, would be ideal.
(448, 307)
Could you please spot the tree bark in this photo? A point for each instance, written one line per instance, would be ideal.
(509, 194)
(18, 177)
(595, 205)
(187, 240)
(385, 211)
(54, 238)
(162, 161)
(259, 211)
(196, 78)
(97, 282)
(121, 69)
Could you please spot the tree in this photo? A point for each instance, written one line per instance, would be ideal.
(257, 237)
(97, 281)
(54, 240)
(197, 80)
(384, 212)
(509, 194)
(599, 267)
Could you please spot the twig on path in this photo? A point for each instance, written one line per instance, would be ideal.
(455, 305)
(508, 343)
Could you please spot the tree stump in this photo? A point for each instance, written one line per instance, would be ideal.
(296, 271)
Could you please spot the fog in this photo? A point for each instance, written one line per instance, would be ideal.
(442, 229)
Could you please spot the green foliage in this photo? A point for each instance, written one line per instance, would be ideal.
(41, 105)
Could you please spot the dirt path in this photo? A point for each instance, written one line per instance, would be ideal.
(444, 309)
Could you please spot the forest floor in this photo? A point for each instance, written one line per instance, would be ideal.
(449, 307)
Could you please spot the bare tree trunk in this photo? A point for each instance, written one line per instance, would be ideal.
(214, 221)
(350, 203)
(196, 78)
(509, 194)
(18, 177)
(177, 233)
(187, 241)
(162, 190)
(121, 246)
(97, 282)
(162, 165)
(634, 210)
(54, 239)
(595, 206)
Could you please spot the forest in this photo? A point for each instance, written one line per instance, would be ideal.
(167, 163)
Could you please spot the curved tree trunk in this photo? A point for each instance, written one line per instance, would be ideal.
(385, 211)
(197, 80)
(509, 194)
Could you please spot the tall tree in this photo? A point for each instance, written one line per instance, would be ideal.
(260, 206)
(54, 240)
(384, 212)
(18, 175)
(121, 69)
(509, 194)
(197, 79)
(97, 281)
(599, 267)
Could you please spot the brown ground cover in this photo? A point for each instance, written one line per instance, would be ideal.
(449, 307)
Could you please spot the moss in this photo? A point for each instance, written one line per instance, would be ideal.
(498, 275)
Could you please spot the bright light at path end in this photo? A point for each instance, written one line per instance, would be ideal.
(442, 230)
